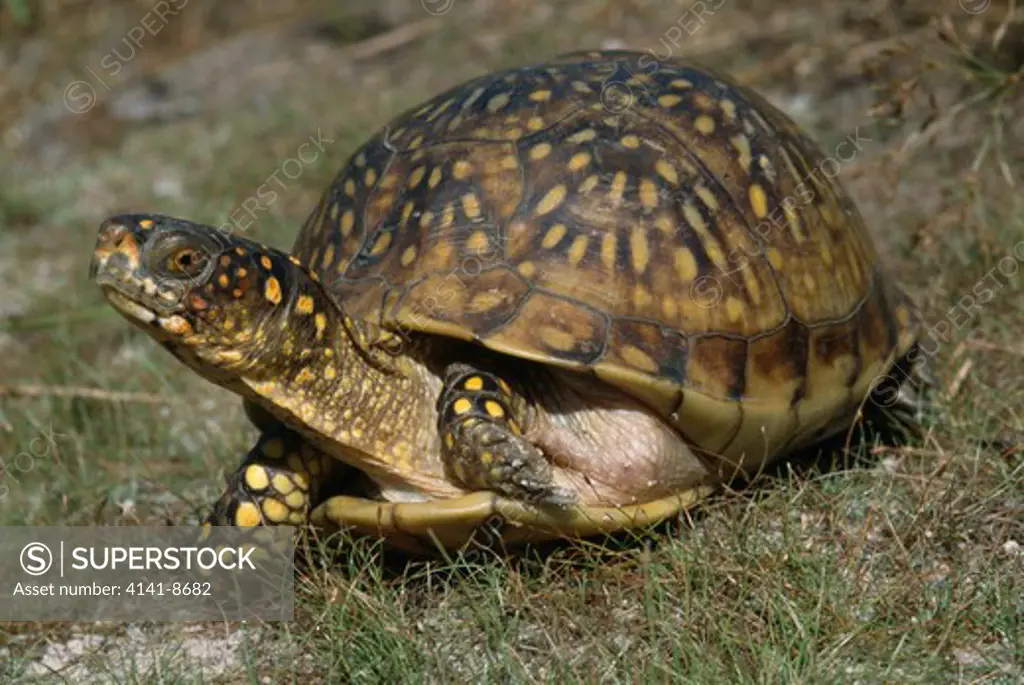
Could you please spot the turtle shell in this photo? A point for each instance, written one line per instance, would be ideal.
(652, 223)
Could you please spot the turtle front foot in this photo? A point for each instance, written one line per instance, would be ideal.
(482, 439)
(274, 485)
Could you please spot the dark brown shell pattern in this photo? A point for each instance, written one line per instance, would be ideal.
(650, 222)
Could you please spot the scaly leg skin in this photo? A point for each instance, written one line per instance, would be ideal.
(275, 484)
(480, 419)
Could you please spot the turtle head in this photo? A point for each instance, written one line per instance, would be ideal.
(220, 303)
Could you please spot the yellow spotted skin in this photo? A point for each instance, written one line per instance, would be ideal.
(693, 249)
(275, 484)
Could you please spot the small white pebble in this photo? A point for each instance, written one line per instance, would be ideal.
(1012, 547)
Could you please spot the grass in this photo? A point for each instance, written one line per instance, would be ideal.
(885, 565)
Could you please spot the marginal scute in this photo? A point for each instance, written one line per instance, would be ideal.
(587, 329)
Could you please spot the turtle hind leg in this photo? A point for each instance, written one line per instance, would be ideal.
(276, 484)
(480, 423)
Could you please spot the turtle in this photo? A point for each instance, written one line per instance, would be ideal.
(558, 300)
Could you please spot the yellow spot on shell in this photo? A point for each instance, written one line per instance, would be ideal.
(669, 100)
(462, 405)
(272, 290)
(275, 511)
(478, 242)
(535, 123)
(256, 477)
(417, 176)
(146, 223)
(681, 83)
(742, 145)
(509, 162)
(728, 109)
(618, 188)
(631, 141)
(578, 249)
(705, 124)
(636, 357)
(734, 309)
(435, 177)
(694, 218)
(381, 244)
(407, 211)
(266, 263)
(639, 250)
(758, 200)
(247, 515)
(666, 171)
(648, 194)
(462, 169)
(685, 263)
(497, 102)
(665, 224)
(408, 255)
(589, 183)
(707, 197)
(669, 308)
(553, 236)
(774, 257)
(527, 269)
(642, 298)
(551, 200)
(540, 151)
(474, 383)
(304, 305)
(370, 178)
(582, 136)
(556, 338)
(223, 280)
(471, 205)
(794, 222)
(348, 220)
(494, 409)
(540, 95)
(608, 245)
(579, 161)
(350, 187)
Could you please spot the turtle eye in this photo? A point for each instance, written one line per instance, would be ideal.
(187, 261)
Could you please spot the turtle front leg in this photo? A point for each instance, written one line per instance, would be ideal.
(480, 420)
(276, 483)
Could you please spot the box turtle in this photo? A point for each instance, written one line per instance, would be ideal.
(572, 298)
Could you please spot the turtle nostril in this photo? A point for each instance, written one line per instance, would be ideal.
(113, 233)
